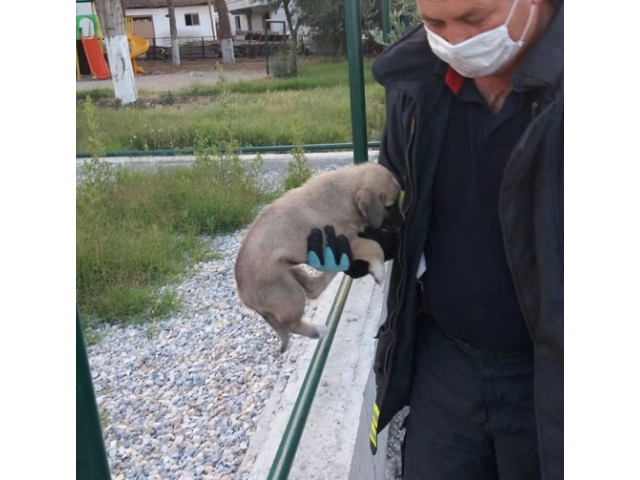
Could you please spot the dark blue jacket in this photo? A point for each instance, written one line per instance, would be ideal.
(531, 217)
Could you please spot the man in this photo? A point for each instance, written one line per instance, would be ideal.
(473, 339)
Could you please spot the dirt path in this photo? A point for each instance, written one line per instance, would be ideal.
(164, 77)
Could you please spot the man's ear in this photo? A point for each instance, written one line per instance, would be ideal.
(370, 207)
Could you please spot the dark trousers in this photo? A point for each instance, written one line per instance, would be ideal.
(471, 413)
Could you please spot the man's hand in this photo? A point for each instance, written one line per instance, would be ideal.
(334, 254)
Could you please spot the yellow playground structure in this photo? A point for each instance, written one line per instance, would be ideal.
(137, 45)
(93, 47)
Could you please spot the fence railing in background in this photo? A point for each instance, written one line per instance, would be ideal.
(249, 45)
(168, 152)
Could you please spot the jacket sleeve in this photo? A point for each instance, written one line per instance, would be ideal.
(392, 143)
(392, 154)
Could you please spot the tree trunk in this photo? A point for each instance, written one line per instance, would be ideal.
(175, 48)
(294, 38)
(226, 39)
(111, 18)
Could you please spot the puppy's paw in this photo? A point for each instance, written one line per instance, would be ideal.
(322, 331)
(377, 272)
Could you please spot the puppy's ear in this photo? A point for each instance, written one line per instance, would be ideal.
(370, 206)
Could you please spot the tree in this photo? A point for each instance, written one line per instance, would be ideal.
(404, 17)
(294, 21)
(111, 15)
(326, 19)
(175, 48)
(226, 39)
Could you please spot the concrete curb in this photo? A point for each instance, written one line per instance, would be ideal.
(272, 161)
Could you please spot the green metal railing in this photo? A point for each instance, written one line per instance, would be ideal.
(312, 147)
(353, 22)
(292, 434)
(91, 457)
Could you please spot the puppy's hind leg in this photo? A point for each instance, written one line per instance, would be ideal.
(371, 252)
(282, 333)
(291, 314)
(313, 285)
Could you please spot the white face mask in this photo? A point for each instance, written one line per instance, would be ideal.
(483, 54)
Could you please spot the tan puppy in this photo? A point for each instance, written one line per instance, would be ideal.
(269, 277)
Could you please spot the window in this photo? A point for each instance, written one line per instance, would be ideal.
(249, 23)
(191, 19)
(238, 27)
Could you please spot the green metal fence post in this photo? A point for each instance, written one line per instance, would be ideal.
(385, 14)
(266, 51)
(91, 457)
(356, 80)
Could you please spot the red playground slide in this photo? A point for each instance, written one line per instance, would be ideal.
(92, 49)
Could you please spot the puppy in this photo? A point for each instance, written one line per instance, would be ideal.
(269, 277)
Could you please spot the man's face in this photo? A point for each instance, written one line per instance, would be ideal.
(459, 20)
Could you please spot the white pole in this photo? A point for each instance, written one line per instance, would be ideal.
(213, 21)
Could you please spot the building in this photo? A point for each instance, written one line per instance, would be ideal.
(195, 19)
(253, 16)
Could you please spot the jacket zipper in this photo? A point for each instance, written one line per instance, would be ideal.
(411, 194)
(535, 106)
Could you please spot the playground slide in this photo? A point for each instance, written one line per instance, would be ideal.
(138, 46)
(92, 49)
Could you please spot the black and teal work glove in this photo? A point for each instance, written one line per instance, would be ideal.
(333, 253)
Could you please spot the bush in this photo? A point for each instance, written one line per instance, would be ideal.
(298, 171)
(282, 65)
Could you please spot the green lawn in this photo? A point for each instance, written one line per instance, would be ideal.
(253, 113)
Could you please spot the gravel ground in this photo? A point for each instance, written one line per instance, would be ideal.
(180, 398)
(163, 77)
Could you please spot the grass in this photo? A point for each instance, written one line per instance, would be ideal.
(137, 231)
(255, 113)
(317, 75)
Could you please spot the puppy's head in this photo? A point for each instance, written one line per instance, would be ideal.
(377, 200)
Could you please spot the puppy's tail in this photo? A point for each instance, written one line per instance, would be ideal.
(313, 285)
(309, 330)
(302, 327)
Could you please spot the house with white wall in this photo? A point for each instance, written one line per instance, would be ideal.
(195, 19)
(253, 16)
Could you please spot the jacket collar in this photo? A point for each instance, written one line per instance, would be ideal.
(544, 65)
(408, 64)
